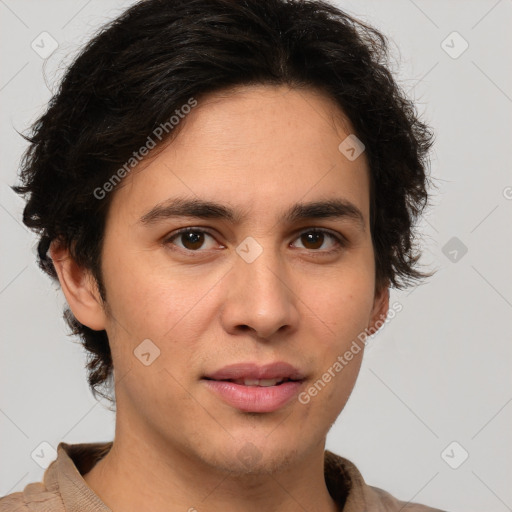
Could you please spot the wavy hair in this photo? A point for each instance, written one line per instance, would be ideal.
(139, 68)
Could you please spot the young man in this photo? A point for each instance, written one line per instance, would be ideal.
(226, 192)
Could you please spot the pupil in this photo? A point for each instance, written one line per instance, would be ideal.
(193, 238)
(314, 238)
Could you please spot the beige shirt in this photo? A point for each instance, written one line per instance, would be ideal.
(64, 490)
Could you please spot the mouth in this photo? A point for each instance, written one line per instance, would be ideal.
(250, 373)
(267, 395)
(248, 387)
(265, 383)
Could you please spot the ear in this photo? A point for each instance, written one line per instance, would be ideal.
(380, 309)
(79, 287)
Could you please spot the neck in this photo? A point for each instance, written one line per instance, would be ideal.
(141, 473)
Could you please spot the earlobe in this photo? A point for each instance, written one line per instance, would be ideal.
(79, 288)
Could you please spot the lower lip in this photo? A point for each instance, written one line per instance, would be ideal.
(254, 398)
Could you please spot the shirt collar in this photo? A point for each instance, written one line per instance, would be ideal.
(343, 480)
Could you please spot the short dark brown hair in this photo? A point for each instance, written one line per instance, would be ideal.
(144, 65)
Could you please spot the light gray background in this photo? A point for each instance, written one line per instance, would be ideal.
(438, 372)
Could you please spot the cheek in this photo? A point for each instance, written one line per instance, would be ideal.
(344, 304)
(342, 310)
(171, 308)
(326, 396)
(149, 295)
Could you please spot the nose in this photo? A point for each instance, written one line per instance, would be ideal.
(261, 297)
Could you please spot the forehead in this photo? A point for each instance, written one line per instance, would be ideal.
(247, 115)
(253, 147)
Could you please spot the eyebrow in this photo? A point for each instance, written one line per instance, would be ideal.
(202, 209)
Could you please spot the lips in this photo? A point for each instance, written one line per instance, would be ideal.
(252, 388)
(258, 382)
(250, 374)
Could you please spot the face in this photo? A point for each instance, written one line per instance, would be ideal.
(249, 283)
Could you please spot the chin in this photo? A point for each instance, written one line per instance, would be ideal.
(252, 458)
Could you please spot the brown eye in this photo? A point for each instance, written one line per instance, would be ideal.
(312, 240)
(190, 239)
(316, 238)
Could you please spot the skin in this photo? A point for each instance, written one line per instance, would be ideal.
(257, 149)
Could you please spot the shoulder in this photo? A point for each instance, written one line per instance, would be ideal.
(62, 487)
(344, 479)
(383, 501)
(35, 497)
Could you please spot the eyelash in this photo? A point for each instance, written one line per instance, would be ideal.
(340, 239)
